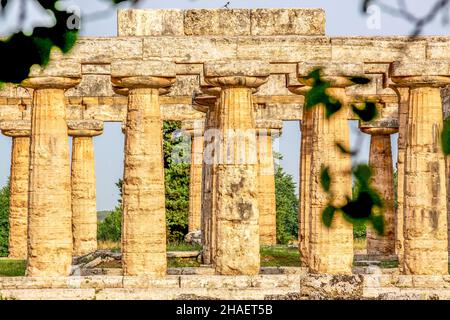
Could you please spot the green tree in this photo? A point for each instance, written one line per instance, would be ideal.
(111, 227)
(176, 189)
(4, 224)
(287, 206)
(176, 181)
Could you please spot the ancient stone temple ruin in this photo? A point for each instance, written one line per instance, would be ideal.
(228, 74)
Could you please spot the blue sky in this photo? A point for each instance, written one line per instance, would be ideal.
(344, 18)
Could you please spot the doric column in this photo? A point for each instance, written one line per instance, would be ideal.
(237, 215)
(266, 129)
(330, 249)
(380, 161)
(144, 215)
(425, 207)
(19, 180)
(196, 129)
(305, 175)
(403, 101)
(50, 214)
(84, 207)
(207, 102)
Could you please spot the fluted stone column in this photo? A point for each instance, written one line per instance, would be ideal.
(144, 220)
(266, 181)
(403, 101)
(305, 177)
(19, 131)
(237, 203)
(196, 130)
(380, 160)
(425, 205)
(206, 103)
(50, 215)
(84, 207)
(330, 249)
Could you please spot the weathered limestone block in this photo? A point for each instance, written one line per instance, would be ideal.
(144, 227)
(217, 22)
(237, 214)
(196, 130)
(19, 180)
(266, 131)
(50, 216)
(425, 204)
(330, 249)
(84, 209)
(380, 160)
(277, 22)
(150, 22)
(332, 287)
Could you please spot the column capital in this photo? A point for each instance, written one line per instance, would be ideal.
(143, 74)
(242, 73)
(338, 74)
(420, 74)
(84, 128)
(57, 75)
(377, 131)
(16, 128)
(207, 98)
(264, 126)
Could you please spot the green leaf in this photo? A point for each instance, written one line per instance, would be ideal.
(363, 173)
(325, 179)
(332, 106)
(360, 80)
(445, 136)
(367, 113)
(345, 150)
(378, 224)
(327, 215)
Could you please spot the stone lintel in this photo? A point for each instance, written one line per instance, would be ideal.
(337, 73)
(420, 68)
(331, 69)
(247, 68)
(140, 68)
(84, 128)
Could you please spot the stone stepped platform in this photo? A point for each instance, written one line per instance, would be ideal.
(268, 287)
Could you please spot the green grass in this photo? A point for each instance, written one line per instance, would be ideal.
(279, 256)
(183, 246)
(12, 268)
(389, 264)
